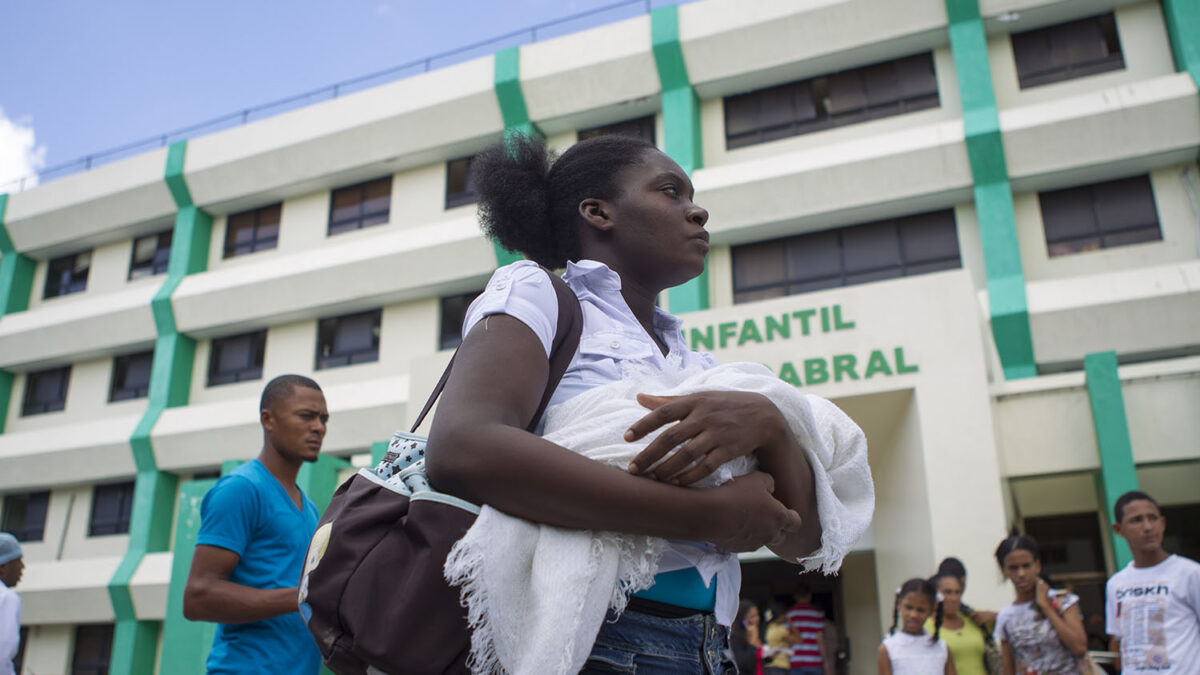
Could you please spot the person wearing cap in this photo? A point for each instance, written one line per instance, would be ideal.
(11, 567)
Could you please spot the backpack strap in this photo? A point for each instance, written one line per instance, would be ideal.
(562, 350)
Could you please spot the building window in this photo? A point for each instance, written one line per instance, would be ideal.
(68, 274)
(111, 508)
(25, 515)
(254, 230)
(238, 358)
(1067, 51)
(347, 340)
(151, 255)
(131, 376)
(887, 249)
(46, 391)
(458, 191)
(454, 310)
(642, 127)
(358, 206)
(1182, 536)
(834, 100)
(93, 649)
(1104, 215)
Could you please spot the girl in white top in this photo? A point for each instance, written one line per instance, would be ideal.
(912, 651)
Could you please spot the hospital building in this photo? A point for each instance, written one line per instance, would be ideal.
(972, 224)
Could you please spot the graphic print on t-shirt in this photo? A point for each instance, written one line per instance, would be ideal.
(1142, 612)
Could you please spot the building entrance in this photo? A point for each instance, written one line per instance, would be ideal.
(848, 599)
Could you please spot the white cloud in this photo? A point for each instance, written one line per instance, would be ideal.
(20, 155)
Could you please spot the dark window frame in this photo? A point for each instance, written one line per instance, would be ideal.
(251, 369)
(638, 127)
(364, 216)
(25, 531)
(328, 333)
(120, 388)
(64, 275)
(458, 183)
(1060, 47)
(909, 260)
(32, 407)
(453, 309)
(96, 663)
(120, 493)
(157, 263)
(258, 221)
(1063, 232)
(843, 98)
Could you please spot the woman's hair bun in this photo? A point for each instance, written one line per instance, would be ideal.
(529, 199)
(510, 181)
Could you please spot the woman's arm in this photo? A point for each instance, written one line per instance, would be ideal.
(719, 426)
(950, 664)
(1007, 660)
(479, 451)
(1068, 625)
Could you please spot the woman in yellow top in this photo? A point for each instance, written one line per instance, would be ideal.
(780, 637)
(962, 636)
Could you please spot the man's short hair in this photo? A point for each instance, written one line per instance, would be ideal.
(281, 387)
(1131, 496)
(803, 591)
(952, 567)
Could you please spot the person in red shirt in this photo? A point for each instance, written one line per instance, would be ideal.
(808, 655)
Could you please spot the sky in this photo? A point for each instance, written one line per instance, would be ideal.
(79, 77)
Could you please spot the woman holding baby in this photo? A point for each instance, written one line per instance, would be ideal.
(618, 215)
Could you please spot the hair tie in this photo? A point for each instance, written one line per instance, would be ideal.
(940, 597)
(897, 590)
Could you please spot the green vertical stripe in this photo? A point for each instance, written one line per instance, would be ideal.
(319, 479)
(682, 138)
(185, 643)
(16, 271)
(135, 641)
(1183, 26)
(993, 194)
(515, 116)
(16, 283)
(1118, 474)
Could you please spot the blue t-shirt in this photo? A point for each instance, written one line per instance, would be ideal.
(250, 513)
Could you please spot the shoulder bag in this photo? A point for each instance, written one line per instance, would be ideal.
(372, 591)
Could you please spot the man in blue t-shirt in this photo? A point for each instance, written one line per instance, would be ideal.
(254, 533)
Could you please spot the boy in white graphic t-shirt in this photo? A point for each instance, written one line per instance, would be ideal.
(1153, 604)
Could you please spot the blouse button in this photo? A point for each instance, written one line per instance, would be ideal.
(615, 345)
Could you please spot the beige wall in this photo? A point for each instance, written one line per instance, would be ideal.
(49, 649)
(860, 600)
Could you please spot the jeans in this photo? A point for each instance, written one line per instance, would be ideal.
(650, 645)
(808, 670)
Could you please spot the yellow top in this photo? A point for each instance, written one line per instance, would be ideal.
(777, 637)
(966, 646)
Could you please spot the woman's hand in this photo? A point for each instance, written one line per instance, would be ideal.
(744, 516)
(716, 426)
(1041, 596)
(713, 427)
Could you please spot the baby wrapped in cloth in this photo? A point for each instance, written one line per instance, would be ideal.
(536, 595)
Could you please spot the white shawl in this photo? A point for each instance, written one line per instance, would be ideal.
(537, 595)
